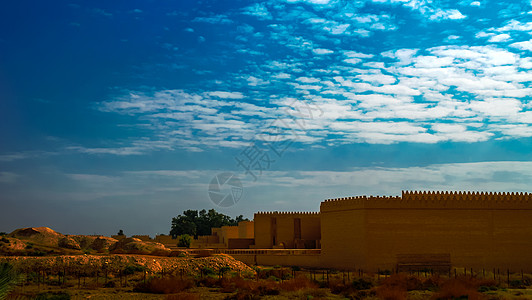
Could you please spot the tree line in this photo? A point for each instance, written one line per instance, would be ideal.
(195, 223)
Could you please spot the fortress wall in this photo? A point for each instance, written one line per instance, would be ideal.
(285, 231)
(477, 230)
(263, 231)
(512, 239)
(436, 200)
(311, 227)
(343, 239)
(246, 229)
(228, 232)
(165, 239)
(464, 234)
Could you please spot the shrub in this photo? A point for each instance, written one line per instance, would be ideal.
(166, 285)
(483, 289)
(403, 282)
(361, 284)
(298, 283)
(177, 253)
(131, 269)
(224, 270)
(183, 296)
(459, 288)
(209, 281)
(516, 284)
(110, 284)
(207, 271)
(184, 241)
(391, 293)
(36, 253)
(4, 240)
(8, 279)
(53, 296)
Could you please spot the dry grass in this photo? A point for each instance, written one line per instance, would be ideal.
(462, 287)
(391, 293)
(183, 296)
(402, 282)
(167, 285)
(298, 283)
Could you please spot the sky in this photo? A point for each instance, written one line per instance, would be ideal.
(123, 114)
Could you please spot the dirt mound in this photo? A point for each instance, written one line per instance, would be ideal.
(84, 241)
(137, 246)
(38, 235)
(116, 263)
(10, 245)
(69, 243)
(102, 243)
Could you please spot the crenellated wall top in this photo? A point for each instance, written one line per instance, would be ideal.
(288, 213)
(433, 199)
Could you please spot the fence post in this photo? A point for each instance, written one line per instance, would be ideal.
(343, 277)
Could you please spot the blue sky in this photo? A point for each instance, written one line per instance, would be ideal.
(117, 114)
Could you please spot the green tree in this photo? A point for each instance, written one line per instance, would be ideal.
(196, 223)
(184, 241)
(184, 224)
(120, 232)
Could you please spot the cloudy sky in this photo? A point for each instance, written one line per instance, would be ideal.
(118, 114)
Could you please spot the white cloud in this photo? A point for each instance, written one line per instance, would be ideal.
(258, 10)
(514, 25)
(449, 14)
(497, 107)
(355, 54)
(321, 51)
(337, 29)
(215, 19)
(254, 81)
(282, 76)
(307, 80)
(226, 95)
(526, 45)
(427, 9)
(353, 61)
(503, 37)
(494, 176)
(319, 2)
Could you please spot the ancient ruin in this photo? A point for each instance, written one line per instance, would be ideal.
(417, 230)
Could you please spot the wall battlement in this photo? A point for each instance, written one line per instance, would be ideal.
(433, 200)
(288, 213)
